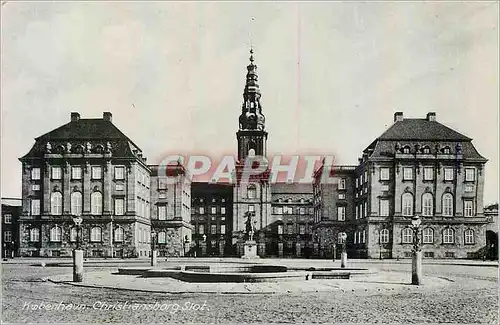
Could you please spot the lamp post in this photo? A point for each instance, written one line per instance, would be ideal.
(77, 253)
(205, 242)
(343, 258)
(380, 246)
(154, 255)
(186, 242)
(416, 262)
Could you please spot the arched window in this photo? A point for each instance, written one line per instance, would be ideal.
(384, 236)
(427, 204)
(96, 234)
(56, 203)
(426, 150)
(447, 204)
(119, 234)
(469, 236)
(55, 234)
(34, 234)
(96, 203)
(76, 203)
(428, 236)
(407, 204)
(407, 236)
(446, 150)
(162, 237)
(251, 191)
(406, 149)
(448, 236)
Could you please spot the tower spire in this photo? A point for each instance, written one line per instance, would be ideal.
(251, 117)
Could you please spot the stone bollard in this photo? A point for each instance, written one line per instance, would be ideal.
(154, 257)
(343, 260)
(77, 265)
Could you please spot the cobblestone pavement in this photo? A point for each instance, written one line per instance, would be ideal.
(471, 298)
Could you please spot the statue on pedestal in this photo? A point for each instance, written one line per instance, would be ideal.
(248, 225)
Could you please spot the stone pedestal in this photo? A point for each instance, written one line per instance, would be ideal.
(77, 265)
(154, 257)
(343, 260)
(280, 249)
(416, 268)
(250, 249)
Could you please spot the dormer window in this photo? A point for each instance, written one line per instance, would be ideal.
(446, 150)
(406, 149)
(426, 150)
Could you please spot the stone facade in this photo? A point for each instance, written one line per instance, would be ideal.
(89, 168)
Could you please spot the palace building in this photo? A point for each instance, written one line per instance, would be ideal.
(89, 168)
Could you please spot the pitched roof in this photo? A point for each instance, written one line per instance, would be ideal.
(85, 129)
(421, 129)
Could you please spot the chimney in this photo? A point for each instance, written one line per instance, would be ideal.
(107, 116)
(431, 116)
(75, 116)
(398, 116)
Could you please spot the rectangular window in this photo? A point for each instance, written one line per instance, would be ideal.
(470, 174)
(384, 174)
(201, 210)
(287, 210)
(35, 187)
(213, 229)
(428, 173)
(365, 209)
(449, 254)
(35, 173)
(119, 172)
(366, 176)
(76, 172)
(201, 229)
(384, 188)
(280, 229)
(222, 210)
(35, 207)
(407, 173)
(223, 229)
(119, 187)
(7, 218)
(342, 184)
(162, 212)
(162, 183)
(278, 210)
(96, 172)
(341, 213)
(342, 196)
(213, 210)
(119, 207)
(290, 229)
(469, 188)
(7, 236)
(448, 174)
(251, 208)
(56, 172)
(302, 229)
(384, 207)
(468, 208)
(302, 211)
(357, 182)
(357, 211)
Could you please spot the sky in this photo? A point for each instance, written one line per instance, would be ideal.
(331, 74)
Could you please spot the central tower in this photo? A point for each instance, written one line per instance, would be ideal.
(251, 197)
(251, 134)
